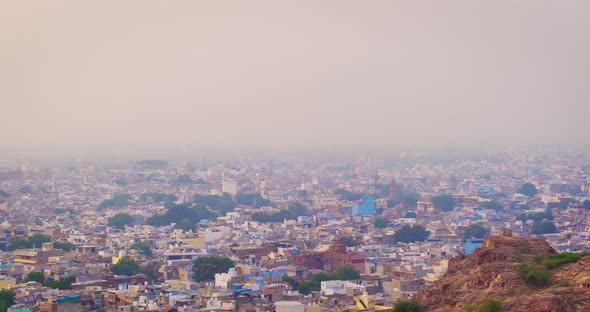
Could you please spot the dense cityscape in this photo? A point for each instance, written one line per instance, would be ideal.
(294, 156)
(362, 234)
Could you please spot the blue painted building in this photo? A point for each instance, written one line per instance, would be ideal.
(366, 207)
(471, 244)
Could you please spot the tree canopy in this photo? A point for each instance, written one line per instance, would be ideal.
(299, 209)
(125, 266)
(586, 204)
(143, 247)
(279, 216)
(121, 182)
(348, 195)
(411, 214)
(205, 268)
(184, 179)
(543, 227)
(252, 199)
(350, 242)
(33, 241)
(158, 197)
(119, 200)
(120, 220)
(344, 272)
(186, 224)
(35, 276)
(476, 230)
(493, 205)
(219, 203)
(535, 216)
(528, 189)
(409, 234)
(25, 189)
(177, 213)
(65, 246)
(380, 222)
(6, 299)
(444, 202)
(407, 306)
(62, 283)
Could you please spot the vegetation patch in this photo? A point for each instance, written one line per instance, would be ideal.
(488, 305)
(533, 275)
(554, 261)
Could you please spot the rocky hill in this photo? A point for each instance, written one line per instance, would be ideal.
(515, 273)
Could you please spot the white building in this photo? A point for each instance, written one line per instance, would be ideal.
(337, 287)
(223, 279)
(229, 186)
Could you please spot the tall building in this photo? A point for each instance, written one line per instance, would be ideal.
(230, 187)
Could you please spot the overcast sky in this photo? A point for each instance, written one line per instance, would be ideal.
(79, 74)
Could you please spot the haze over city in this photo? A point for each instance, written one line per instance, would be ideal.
(294, 156)
(147, 75)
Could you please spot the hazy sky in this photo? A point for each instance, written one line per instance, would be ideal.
(293, 73)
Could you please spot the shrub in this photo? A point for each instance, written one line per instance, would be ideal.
(490, 305)
(407, 306)
(533, 275)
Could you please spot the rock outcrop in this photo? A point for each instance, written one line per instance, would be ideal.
(492, 272)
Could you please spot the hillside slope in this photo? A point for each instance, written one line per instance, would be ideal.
(494, 272)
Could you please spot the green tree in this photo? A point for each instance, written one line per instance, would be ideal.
(543, 227)
(407, 306)
(380, 222)
(158, 197)
(62, 283)
(348, 195)
(444, 202)
(253, 199)
(185, 224)
(220, 203)
(350, 242)
(184, 179)
(6, 299)
(280, 216)
(533, 275)
(177, 213)
(528, 189)
(34, 241)
(121, 182)
(411, 214)
(144, 247)
(535, 216)
(35, 276)
(493, 205)
(65, 246)
(409, 234)
(120, 220)
(298, 209)
(125, 266)
(586, 204)
(205, 268)
(25, 189)
(4, 194)
(346, 272)
(119, 200)
(411, 200)
(287, 279)
(476, 230)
